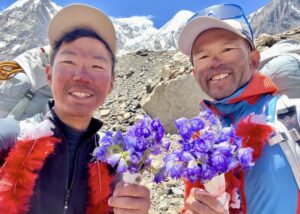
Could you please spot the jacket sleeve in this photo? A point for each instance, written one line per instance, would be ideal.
(9, 130)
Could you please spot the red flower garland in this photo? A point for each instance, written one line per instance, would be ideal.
(20, 171)
(100, 182)
(254, 135)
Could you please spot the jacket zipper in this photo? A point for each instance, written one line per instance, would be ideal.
(69, 186)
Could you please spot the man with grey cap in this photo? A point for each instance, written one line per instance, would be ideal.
(219, 42)
(49, 170)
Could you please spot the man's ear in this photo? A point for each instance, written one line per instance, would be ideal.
(48, 74)
(112, 83)
(254, 59)
(193, 71)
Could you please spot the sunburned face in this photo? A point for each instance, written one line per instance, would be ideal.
(223, 62)
(80, 80)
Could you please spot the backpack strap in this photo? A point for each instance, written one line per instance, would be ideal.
(18, 111)
(287, 128)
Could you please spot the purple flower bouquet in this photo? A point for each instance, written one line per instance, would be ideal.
(131, 152)
(206, 150)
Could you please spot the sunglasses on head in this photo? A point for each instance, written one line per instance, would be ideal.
(227, 12)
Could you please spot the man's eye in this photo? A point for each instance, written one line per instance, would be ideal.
(98, 67)
(68, 62)
(228, 49)
(202, 57)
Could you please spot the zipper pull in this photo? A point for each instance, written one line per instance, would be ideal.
(66, 206)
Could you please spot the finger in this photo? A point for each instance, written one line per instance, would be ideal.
(209, 200)
(129, 203)
(125, 211)
(189, 212)
(197, 207)
(131, 190)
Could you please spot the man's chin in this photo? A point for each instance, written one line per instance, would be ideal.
(220, 95)
(81, 114)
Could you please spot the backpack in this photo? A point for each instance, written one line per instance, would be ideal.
(24, 91)
(281, 63)
(287, 132)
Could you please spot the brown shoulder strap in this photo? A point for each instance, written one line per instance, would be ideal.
(9, 68)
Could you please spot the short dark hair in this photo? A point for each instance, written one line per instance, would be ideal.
(76, 34)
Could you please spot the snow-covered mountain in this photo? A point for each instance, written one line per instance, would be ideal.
(137, 33)
(23, 26)
(133, 32)
(276, 17)
(166, 37)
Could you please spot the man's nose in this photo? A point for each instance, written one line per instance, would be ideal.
(216, 61)
(82, 74)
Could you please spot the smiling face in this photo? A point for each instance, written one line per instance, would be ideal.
(223, 62)
(80, 79)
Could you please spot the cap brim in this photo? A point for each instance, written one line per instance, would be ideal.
(81, 16)
(198, 25)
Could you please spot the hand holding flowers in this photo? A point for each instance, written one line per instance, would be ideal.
(132, 152)
(207, 151)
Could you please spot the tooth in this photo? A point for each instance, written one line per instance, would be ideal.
(81, 94)
(220, 76)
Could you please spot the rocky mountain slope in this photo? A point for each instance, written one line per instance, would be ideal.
(276, 17)
(23, 26)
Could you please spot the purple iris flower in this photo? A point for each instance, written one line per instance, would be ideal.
(206, 149)
(209, 136)
(174, 156)
(202, 156)
(193, 171)
(155, 150)
(122, 166)
(117, 138)
(114, 159)
(201, 145)
(134, 149)
(135, 158)
(207, 172)
(145, 131)
(225, 148)
(184, 128)
(166, 145)
(100, 153)
(156, 125)
(218, 161)
(133, 168)
(245, 157)
(107, 139)
(186, 146)
(237, 143)
(175, 170)
(196, 124)
(186, 157)
(159, 135)
(160, 175)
